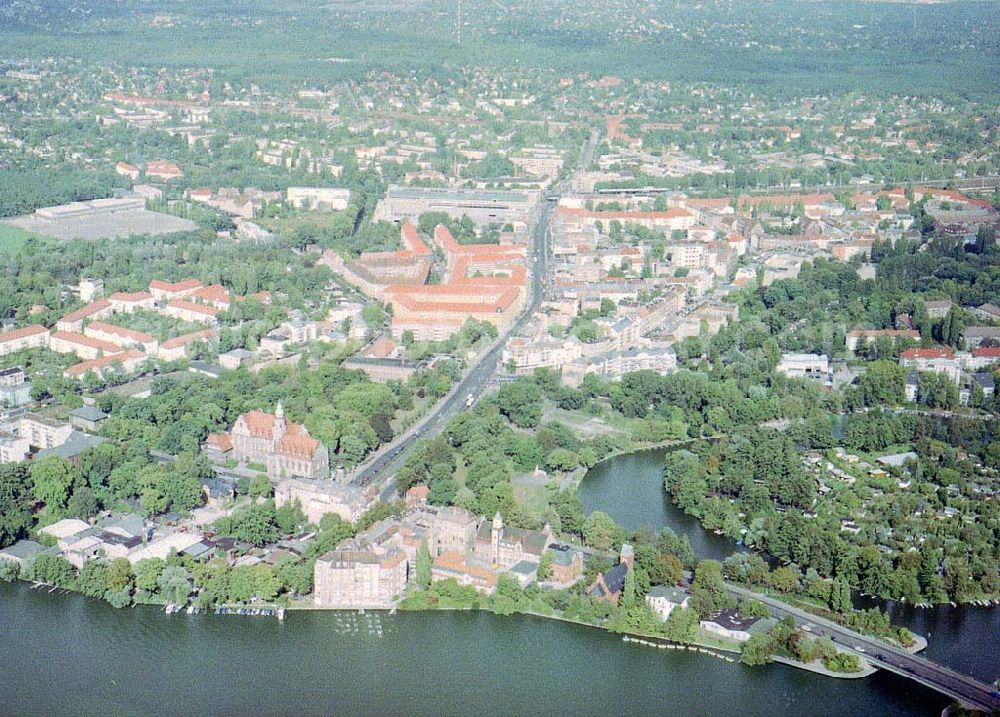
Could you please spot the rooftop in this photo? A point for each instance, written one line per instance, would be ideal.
(88, 413)
(731, 619)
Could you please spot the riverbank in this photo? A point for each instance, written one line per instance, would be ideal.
(705, 644)
(423, 664)
(867, 669)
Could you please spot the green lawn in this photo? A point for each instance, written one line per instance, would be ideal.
(12, 239)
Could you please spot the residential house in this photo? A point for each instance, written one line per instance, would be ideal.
(23, 339)
(15, 388)
(127, 303)
(85, 347)
(190, 311)
(664, 599)
(730, 624)
(939, 360)
(179, 347)
(43, 432)
(164, 290)
(126, 362)
(13, 448)
(121, 337)
(93, 311)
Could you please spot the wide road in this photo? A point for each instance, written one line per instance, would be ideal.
(475, 379)
(967, 690)
(383, 466)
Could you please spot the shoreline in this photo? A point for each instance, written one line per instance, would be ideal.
(656, 641)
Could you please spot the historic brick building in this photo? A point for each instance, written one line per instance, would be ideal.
(505, 546)
(286, 448)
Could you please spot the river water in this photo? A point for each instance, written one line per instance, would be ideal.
(630, 489)
(67, 654)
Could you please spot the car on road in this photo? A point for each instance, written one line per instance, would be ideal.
(859, 648)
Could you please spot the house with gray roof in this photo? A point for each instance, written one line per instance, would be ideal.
(729, 623)
(78, 442)
(87, 418)
(664, 599)
(24, 551)
(609, 585)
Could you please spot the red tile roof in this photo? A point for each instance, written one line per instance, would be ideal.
(134, 297)
(130, 334)
(186, 339)
(454, 561)
(214, 294)
(671, 213)
(221, 441)
(940, 352)
(205, 309)
(88, 310)
(411, 242)
(382, 348)
(296, 441)
(174, 288)
(21, 333)
(88, 341)
(987, 352)
(418, 492)
(102, 362)
(162, 167)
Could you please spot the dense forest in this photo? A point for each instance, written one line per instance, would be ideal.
(865, 46)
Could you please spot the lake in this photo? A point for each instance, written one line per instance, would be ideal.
(67, 654)
(630, 489)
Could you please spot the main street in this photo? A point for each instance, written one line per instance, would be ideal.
(887, 656)
(383, 466)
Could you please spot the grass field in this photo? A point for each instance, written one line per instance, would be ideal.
(12, 239)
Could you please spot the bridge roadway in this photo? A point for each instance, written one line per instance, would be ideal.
(967, 690)
(382, 465)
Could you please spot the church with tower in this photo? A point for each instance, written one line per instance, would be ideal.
(286, 448)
